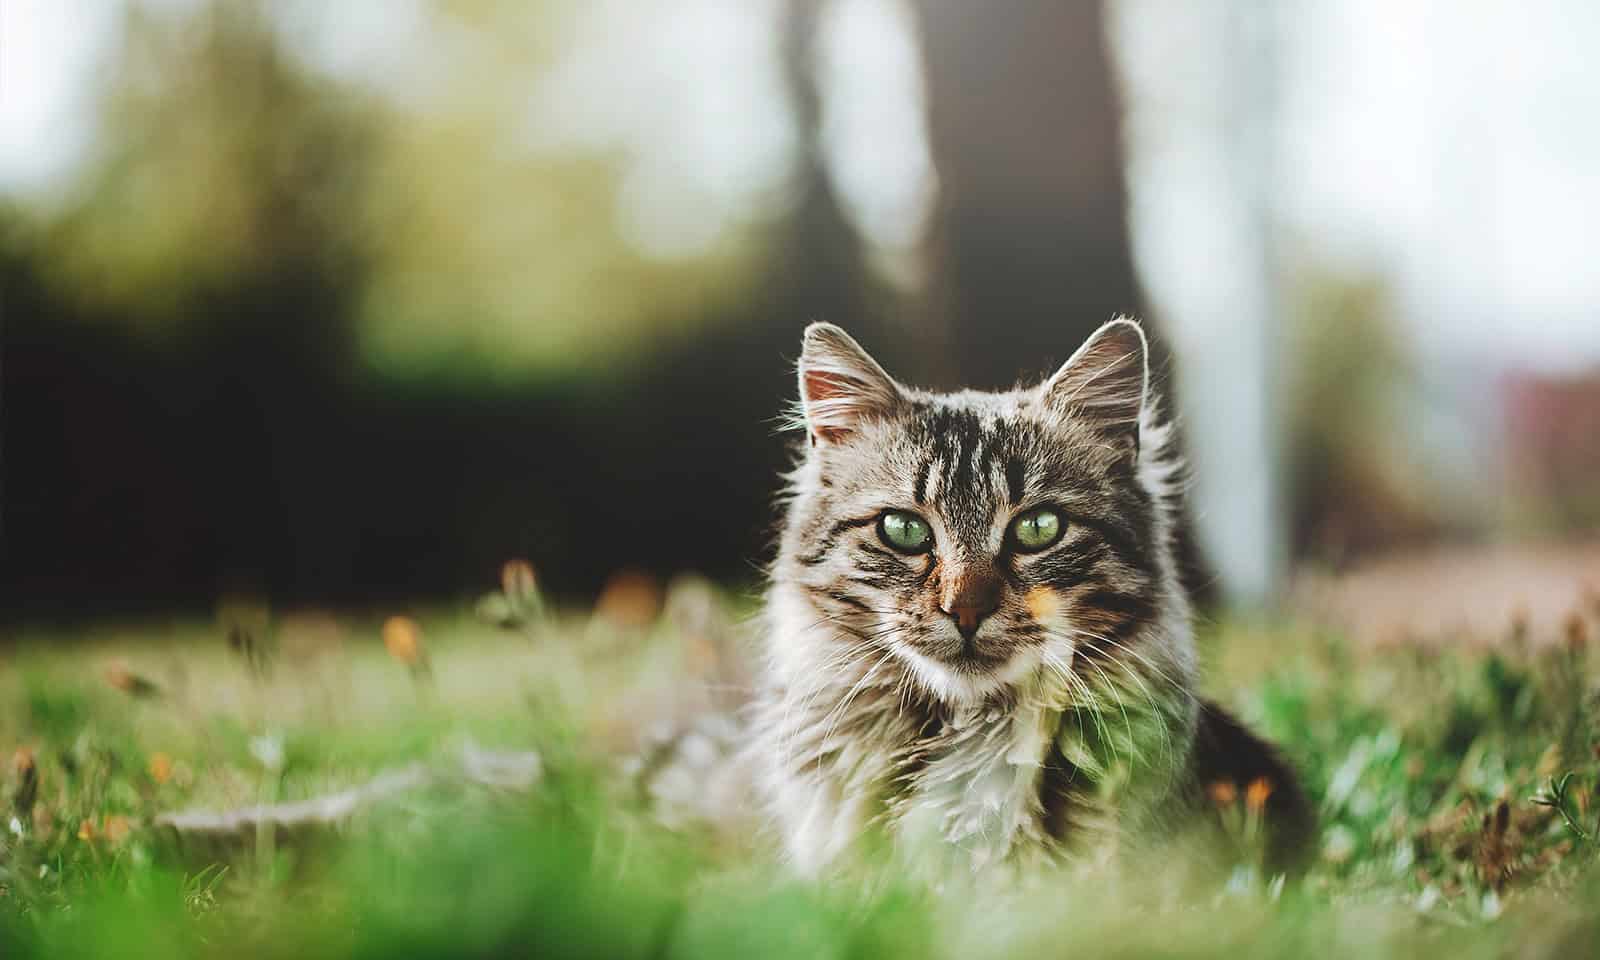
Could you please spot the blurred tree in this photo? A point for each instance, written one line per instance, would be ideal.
(294, 332)
(1032, 237)
(356, 343)
(497, 242)
(221, 218)
(1355, 488)
(819, 255)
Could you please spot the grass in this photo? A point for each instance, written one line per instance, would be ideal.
(1456, 787)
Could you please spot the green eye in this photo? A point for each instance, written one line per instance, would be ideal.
(905, 532)
(1036, 529)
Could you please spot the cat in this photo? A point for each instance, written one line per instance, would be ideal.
(976, 640)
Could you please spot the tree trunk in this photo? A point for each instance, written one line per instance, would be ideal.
(1031, 244)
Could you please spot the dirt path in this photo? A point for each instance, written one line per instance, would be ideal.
(1461, 594)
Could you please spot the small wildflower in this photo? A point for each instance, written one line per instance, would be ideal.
(1223, 793)
(630, 599)
(268, 751)
(402, 637)
(517, 603)
(517, 581)
(1256, 794)
(16, 827)
(86, 831)
(120, 677)
(160, 767)
(1338, 844)
(1576, 631)
(1491, 905)
(116, 828)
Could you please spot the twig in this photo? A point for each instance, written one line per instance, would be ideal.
(1555, 797)
(488, 768)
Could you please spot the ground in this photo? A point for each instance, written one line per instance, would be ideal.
(1454, 783)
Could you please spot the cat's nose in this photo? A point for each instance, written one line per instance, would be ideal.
(970, 598)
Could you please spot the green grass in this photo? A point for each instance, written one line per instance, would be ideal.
(1436, 771)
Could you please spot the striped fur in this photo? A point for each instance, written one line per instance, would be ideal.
(1069, 717)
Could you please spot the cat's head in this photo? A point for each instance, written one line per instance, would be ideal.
(976, 538)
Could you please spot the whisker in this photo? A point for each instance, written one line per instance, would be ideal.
(1111, 690)
(1180, 688)
(1065, 673)
(838, 711)
(1155, 708)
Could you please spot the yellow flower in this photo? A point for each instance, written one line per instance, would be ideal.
(402, 637)
(1223, 793)
(86, 831)
(1256, 794)
(160, 767)
(631, 599)
(517, 580)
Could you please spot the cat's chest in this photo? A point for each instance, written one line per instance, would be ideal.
(975, 784)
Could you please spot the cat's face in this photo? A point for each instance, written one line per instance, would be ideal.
(976, 539)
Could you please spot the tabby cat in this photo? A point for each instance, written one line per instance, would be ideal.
(976, 637)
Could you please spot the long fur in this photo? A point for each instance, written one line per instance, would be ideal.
(1069, 720)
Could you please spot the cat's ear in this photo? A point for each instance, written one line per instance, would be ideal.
(841, 385)
(1104, 384)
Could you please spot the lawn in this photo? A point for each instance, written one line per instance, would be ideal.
(1455, 782)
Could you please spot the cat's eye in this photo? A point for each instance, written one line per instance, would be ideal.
(1036, 529)
(905, 532)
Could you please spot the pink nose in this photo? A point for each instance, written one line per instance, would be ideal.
(970, 598)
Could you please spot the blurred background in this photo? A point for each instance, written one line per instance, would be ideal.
(347, 303)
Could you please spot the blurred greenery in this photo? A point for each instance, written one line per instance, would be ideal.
(1358, 488)
(1456, 790)
(347, 335)
(470, 247)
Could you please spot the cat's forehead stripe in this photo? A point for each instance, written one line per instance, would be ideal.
(1016, 480)
(919, 493)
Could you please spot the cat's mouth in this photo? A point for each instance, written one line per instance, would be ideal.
(986, 652)
(963, 672)
(968, 659)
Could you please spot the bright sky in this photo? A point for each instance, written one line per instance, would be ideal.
(48, 52)
(1458, 143)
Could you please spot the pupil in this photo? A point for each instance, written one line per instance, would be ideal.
(1036, 529)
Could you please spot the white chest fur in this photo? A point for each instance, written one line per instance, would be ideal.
(979, 790)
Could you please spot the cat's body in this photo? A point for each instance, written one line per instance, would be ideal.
(977, 642)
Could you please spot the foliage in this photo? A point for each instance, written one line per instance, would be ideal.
(418, 221)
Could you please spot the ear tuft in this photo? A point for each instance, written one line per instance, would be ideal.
(841, 385)
(1105, 382)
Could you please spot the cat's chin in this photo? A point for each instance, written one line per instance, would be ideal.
(968, 682)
